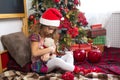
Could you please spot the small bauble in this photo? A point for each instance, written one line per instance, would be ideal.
(96, 69)
(67, 76)
(31, 17)
(56, 1)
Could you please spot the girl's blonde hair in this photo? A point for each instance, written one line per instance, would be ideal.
(55, 34)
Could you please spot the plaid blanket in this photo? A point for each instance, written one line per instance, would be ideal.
(17, 75)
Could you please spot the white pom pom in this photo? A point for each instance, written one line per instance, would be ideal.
(62, 18)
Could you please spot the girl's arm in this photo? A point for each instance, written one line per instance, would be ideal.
(36, 51)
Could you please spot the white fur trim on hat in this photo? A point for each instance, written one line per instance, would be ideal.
(47, 22)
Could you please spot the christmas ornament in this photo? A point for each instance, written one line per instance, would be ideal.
(94, 55)
(76, 2)
(77, 69)
(86, 71)
(79, 55)
(81, 70)
(96, 69)
(31, 17)
(67, 76)
(56, 1)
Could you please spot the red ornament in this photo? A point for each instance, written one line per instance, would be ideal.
(68, 76)
(31, 17)
(94, 55)
(82, 70)
(56, 1)
(79, 55)
(76, 69)
(96, 69)
(86, 71)
(76, 2)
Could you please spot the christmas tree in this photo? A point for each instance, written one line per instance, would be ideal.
(71, 29)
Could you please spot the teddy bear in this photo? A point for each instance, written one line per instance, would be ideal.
(48, 42)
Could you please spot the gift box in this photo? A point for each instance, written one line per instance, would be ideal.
(99, 40)
(86, 47)
(96, 26)
(74, 47)
(92, 33)
(100, 47)
(3, 61)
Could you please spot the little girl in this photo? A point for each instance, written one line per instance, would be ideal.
(41, 63)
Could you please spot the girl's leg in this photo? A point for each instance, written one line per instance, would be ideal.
(68, 57)
(59, 63)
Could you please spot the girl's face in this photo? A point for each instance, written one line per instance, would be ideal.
(49, 30)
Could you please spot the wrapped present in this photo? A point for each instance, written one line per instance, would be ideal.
(86, 47)
(96, 26)
(100, 47)
(74, 47)
(4, 58)
(99, 40)
(92, 33)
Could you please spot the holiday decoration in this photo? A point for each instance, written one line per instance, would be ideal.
(31, 17)
(67, 76)
(51, 17)
(86, 71)
(96, 26)
(96, 69)
(96, 32)
(79, 55)
(94, 55)
(71, 29)
(77, 69)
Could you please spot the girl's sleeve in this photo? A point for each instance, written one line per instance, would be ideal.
(34, 38)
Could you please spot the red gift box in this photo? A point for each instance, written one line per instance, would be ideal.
(92, 33)
(96, 26)
(86, 47)
(3, 60)
(74, 47)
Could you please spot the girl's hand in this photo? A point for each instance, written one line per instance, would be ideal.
(45, 57)
(53, 49)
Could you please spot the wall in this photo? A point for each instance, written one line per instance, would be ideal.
(113, 30)
(8, 26)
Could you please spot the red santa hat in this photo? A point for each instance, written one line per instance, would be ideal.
(51, 17)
